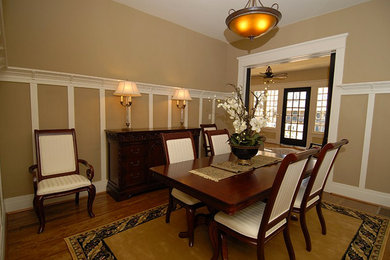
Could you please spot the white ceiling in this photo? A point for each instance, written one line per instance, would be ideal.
(208, 16)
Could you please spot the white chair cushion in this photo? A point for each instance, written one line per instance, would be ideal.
(187, 199)
(64, 183)
(301, 192)
(247, 221)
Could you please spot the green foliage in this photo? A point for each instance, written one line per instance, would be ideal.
(244, 139)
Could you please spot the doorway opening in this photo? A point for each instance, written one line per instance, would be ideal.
(298, 52)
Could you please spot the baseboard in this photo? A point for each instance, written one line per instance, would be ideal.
(366, 195)
(25, 202)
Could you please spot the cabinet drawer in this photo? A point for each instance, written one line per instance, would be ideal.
(134, 176)
(134, 150)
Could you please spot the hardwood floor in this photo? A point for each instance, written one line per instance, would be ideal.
(66, 219)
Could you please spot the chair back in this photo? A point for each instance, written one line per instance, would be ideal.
(284, 190)
(178, 147)
(219, 141)
(322, 168)
(207, 127)
(56, 152)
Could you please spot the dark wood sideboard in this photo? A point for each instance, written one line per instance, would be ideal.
(130, 154)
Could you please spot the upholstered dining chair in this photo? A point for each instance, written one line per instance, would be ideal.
(259, 222)
(57, 171)
(180, 147)
(219, 141)
(206, 144)
(311, 189)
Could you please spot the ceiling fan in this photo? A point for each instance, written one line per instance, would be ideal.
(268, 76)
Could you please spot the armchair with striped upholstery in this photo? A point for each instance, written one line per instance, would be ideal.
(57, 171)
(260, 222)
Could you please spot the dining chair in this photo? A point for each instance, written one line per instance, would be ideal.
(57, 171)
(206, 144)
(180, 147)
(259, 222)
(219, 141)
(311, 189)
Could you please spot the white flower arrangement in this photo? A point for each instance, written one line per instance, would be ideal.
(246, 125)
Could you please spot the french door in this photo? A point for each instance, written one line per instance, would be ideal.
(295, 116)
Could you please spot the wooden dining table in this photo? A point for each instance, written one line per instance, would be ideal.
(228, 195)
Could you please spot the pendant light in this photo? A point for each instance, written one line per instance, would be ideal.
(254, 19)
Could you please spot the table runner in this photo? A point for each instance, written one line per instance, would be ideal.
(220, 171)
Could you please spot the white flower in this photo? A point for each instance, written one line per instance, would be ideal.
(239, 125)
(256, 124)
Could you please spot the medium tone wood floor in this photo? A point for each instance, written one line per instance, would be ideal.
(66, 219)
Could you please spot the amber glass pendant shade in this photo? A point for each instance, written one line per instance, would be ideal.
(253, 22)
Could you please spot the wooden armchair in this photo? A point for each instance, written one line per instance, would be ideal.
(219, 141)
(56, 173)
(261, 221)
(311, 189)
(180, 147)
(206, 144)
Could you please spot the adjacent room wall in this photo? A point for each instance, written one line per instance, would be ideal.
(313, 78)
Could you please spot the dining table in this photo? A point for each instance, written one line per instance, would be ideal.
(228, 195)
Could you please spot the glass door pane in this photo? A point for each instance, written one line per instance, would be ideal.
(296, 103)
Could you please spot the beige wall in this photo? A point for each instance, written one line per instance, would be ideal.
(378, 167)
(87, 125)
(193, 112)
(139, 111)
(207, 109)
(115, 112)
(175, 114)
(53, 107)
(15, 139)
(352, 122)
(367, 42)
(107, 39)
(160, 111)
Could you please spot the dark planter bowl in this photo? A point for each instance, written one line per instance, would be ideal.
(244, 153)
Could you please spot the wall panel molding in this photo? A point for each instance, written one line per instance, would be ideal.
(361, 192)
(51, 78)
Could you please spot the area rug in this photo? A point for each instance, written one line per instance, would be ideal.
(350, 235)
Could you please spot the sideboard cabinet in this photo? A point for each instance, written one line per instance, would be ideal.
(130, 154)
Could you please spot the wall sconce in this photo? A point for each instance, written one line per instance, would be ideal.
(181, 95)
(127, 89)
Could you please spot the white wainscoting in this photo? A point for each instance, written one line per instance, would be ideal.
(361, 192)
(35, 77)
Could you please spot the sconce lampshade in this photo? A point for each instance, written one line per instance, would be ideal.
(181, 94)
(127, 89)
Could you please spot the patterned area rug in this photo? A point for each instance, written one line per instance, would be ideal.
(368, 242)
